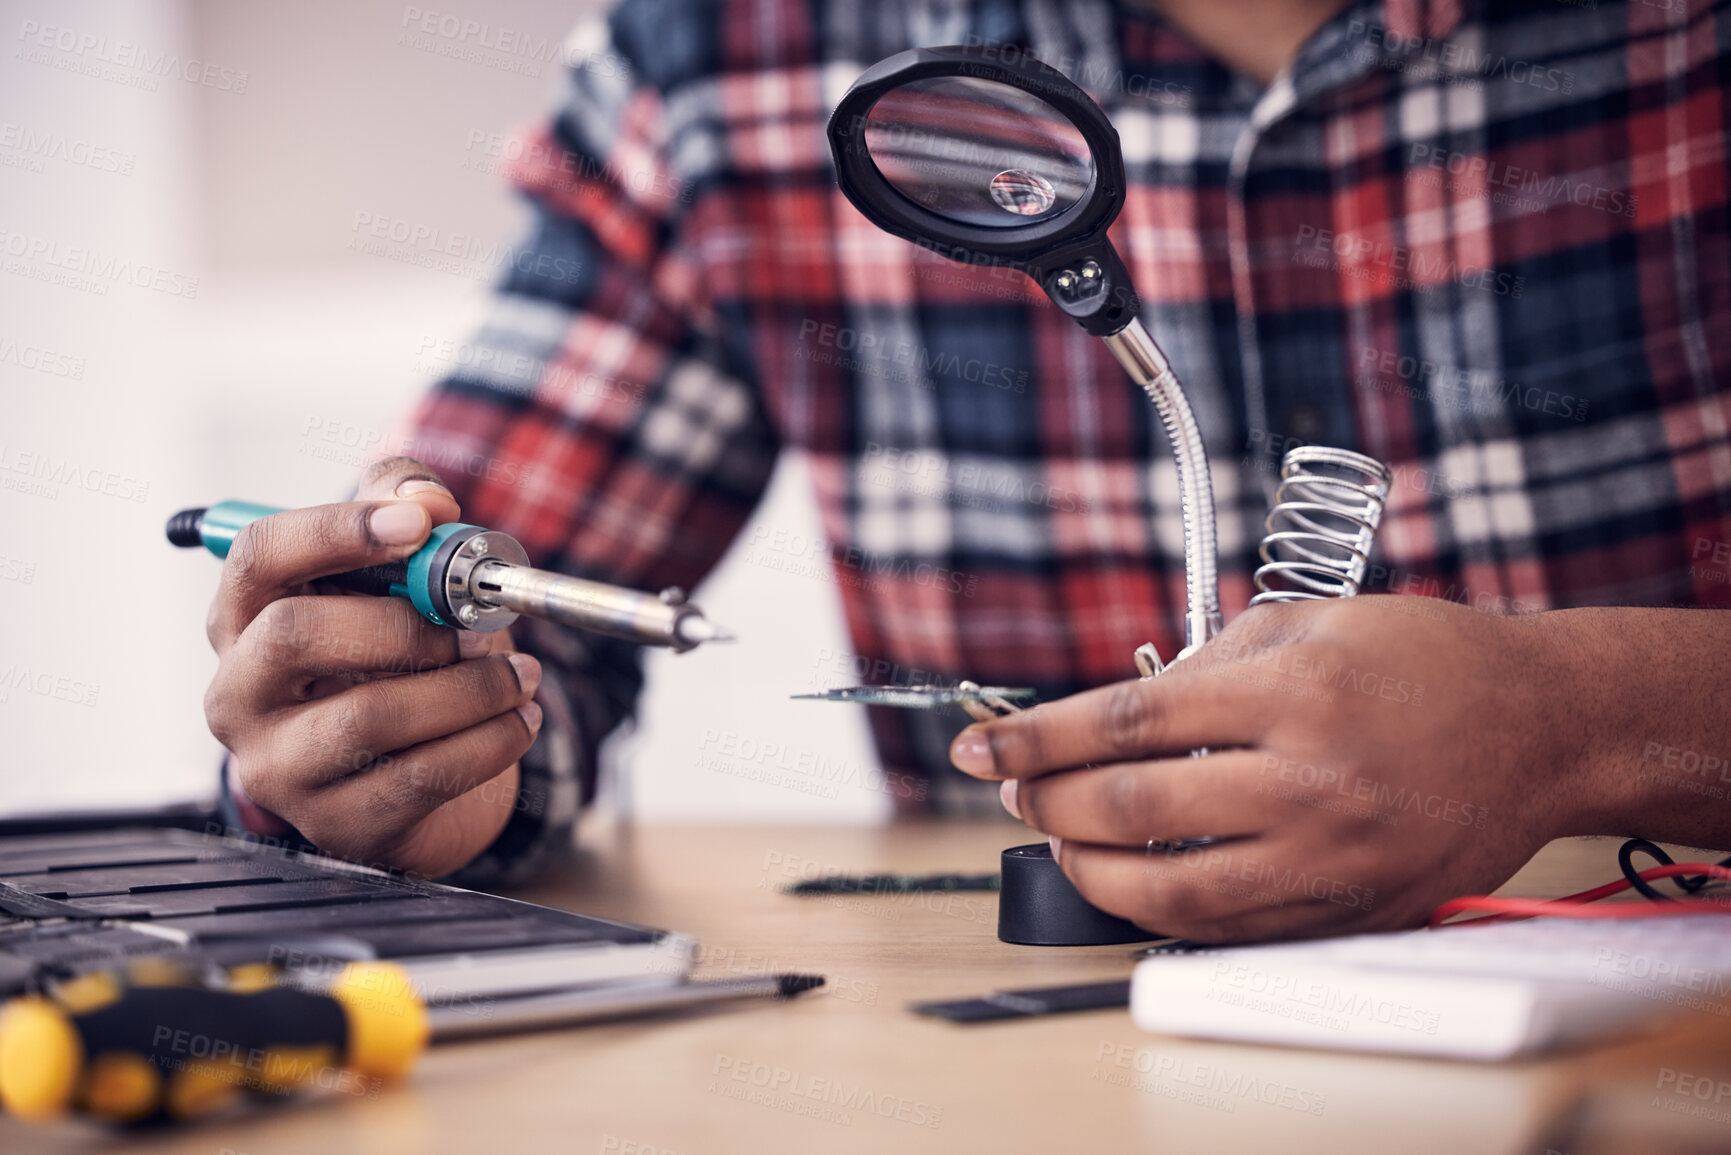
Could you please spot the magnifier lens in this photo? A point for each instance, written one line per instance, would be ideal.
(1026, 193)
(978, 152)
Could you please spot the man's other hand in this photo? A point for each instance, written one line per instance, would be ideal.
(1368, 759)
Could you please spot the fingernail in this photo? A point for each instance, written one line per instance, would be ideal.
(398, 523)
(473, 645)
(531, 713)
(528, 672)
(420, 485)
(1007, 795)
(972, 752)
(1057, 844)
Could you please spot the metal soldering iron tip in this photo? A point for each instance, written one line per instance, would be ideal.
(696, 629)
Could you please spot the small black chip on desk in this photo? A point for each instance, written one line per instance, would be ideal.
(1030, 1002)
(893, 883)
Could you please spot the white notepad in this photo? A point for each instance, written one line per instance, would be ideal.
(1474, 992)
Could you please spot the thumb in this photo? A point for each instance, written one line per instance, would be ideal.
(406, 479)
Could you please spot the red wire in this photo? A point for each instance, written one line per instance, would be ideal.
(1574, 905)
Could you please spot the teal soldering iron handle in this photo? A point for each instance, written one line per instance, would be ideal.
(416, 577)
(470, 578)
(215, 528)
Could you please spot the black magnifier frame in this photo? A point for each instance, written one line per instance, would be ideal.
(1043, 249)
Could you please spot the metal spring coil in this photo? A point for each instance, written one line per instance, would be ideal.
(1319, 533)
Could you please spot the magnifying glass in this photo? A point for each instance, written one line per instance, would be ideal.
(1010, 164)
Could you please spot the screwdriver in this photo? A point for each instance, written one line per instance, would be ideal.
(470, 578)
(148, 1050)
(142, 1048)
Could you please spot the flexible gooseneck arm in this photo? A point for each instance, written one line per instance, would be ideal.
(1147, 366)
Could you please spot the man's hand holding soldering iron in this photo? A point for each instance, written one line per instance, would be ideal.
(354, 718)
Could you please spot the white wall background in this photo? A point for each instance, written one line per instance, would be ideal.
(292, 346)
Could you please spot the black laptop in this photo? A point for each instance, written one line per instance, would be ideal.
(71, 903)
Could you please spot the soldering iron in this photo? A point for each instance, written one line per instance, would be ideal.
(470, 578)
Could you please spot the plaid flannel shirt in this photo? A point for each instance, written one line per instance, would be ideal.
(1485, 243)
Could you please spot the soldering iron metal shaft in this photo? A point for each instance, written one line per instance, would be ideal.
(664, 620)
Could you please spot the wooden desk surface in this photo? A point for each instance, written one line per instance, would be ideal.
(854, 1071)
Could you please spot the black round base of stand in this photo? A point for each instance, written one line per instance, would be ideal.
(1038, 906)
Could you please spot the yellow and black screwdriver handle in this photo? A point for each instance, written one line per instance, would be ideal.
(136, 1050)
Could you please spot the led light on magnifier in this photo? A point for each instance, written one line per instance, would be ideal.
(1078, 285)
(1022, 192)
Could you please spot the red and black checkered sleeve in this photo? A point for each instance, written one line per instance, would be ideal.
(602, 416)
